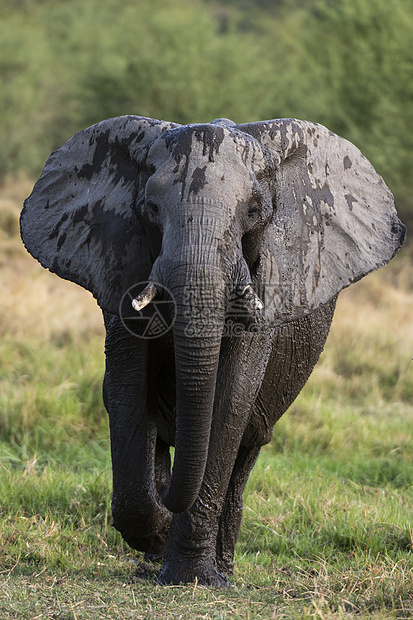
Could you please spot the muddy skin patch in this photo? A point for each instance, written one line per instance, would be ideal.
(350, 199)
(212, 137)
(198, 181)
(347, 162)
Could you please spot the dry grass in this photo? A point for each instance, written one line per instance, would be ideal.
(318, 592)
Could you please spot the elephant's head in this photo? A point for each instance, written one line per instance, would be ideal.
(280, 215)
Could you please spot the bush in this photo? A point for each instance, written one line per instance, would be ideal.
(66, 65)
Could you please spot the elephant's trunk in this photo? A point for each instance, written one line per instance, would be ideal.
(197, 339)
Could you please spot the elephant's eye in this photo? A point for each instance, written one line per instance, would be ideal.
(151, 210)
(253, 212)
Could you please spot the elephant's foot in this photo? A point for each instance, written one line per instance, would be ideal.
(153, 545)
(154, 558)
(225, 565)
(190, 555)
(179, 572)
(144, 525)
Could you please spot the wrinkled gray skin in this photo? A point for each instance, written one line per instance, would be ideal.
(204, 210)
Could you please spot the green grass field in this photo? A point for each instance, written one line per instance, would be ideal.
(328, 521)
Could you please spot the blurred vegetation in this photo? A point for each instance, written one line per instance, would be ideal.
(346, 64)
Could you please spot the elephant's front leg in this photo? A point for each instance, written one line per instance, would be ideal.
(137, 510)
(191, 552)
(231, 515)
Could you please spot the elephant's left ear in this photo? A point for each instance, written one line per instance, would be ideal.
(81, 220)
(334, 218)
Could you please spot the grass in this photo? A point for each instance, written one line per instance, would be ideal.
(327, 528)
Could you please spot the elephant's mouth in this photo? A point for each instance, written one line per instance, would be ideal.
(244, 311)
(244, 307)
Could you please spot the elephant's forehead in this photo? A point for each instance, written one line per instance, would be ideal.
(198, 161)
(209, 144)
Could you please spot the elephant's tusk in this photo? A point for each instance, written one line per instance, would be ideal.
(252, 297)
(143, 299)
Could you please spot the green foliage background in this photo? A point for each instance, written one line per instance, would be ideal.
(66, 64)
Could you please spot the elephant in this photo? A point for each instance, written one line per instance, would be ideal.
(216, 252)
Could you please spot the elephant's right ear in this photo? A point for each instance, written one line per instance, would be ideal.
(81, 219)
(334, 218)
